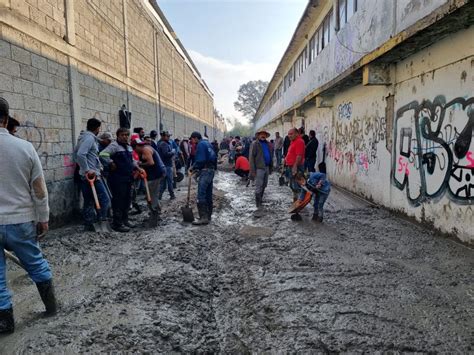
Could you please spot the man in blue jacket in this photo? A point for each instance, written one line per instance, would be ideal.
(118, 158)
(205, 165)
(167, 154)
(320, 187)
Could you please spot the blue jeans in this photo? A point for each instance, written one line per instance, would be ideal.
(279, 155)
(167, 180)
(21, 239)
(319, 201)
(293, 184)
(89, 212)
(205, 185)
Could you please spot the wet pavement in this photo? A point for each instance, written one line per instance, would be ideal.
(253, 281)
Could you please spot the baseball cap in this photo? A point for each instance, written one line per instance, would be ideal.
(106, 135)
(137, 141)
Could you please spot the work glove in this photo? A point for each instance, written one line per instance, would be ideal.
(173, 151)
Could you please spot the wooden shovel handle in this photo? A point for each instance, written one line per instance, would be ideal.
(143, 175)
(94, 192)
(189, 189)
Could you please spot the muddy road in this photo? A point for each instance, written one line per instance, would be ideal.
(364, 280)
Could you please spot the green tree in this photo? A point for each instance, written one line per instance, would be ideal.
(250, 95)
(240, 129)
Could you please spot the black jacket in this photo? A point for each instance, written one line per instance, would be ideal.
(311, 149)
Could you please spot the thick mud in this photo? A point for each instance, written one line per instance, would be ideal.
(253, 281)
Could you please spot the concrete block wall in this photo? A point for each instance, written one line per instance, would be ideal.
(37, 89)
(60, 67)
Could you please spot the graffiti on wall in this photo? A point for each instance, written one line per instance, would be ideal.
(31, 133)
(433, 150)
(354, 143)
(344, 111)
(28, 131)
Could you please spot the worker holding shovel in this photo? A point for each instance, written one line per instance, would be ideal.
(24, 216)
(320, 187)
(96, 199)
(155, 170)
(118, 158)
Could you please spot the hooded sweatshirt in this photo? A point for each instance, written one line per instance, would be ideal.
(87, 153)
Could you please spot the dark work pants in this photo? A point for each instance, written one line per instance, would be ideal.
(89, 211)
(121, 199)
(167, 181)
(242, 173)
(309, 164)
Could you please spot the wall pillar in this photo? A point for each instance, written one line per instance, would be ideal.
(70, 23)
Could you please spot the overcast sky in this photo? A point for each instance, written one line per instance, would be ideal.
(233, 41)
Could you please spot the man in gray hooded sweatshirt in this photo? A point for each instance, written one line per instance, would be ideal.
(87, 157)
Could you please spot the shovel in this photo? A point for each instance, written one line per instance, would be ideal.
(14, 259)
(186, 210)
(154, 213)
(101, 226)
(144, 176)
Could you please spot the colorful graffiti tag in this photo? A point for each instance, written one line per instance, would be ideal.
(354, 143)
(433, 152)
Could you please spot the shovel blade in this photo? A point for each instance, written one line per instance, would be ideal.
(187, 214)
(103, 227)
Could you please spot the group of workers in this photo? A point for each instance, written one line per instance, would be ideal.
(24, 206)
(135, 158)
(295, 158)
(24, 209)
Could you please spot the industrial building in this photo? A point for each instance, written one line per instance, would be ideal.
(389, 88)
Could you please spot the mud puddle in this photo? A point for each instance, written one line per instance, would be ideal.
(252, 281)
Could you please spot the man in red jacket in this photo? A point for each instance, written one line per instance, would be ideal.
(294, 160)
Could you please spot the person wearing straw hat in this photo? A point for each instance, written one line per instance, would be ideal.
(260, 164)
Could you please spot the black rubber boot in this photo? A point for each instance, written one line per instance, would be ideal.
(315, 218)
(210, 208)
(120, 228)
(137, 208)
(203, 216)
(126, 222)
(7, 323)
(258, 200)
(46, 291)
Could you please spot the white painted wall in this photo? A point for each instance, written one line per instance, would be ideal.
(372, 25)
(428, 175)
